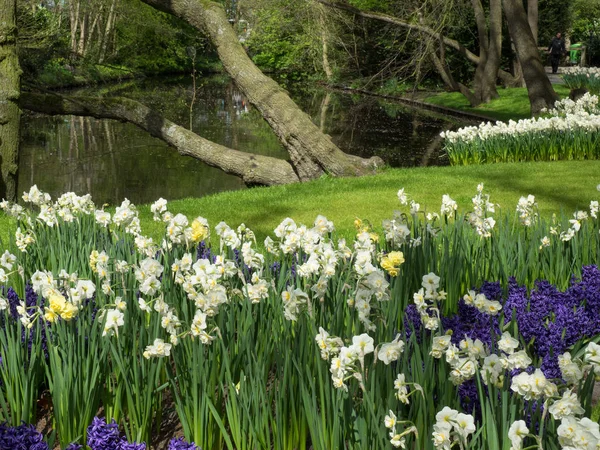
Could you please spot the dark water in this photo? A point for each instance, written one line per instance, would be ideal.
(113, 160)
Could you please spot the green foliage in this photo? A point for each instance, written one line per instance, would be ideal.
(555, 16)
(285, 37)
(155, 42)
(586, 20)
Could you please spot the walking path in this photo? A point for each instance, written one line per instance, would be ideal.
(554, 78)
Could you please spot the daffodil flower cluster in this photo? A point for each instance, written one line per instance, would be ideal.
(577, 77)
(566, 118)
(575, 226)
(7, 261)
(349, 361)
(526, 210)
(452, 428)
(427, 301)
(398, 439)
(178, 228)
(478, 218)
(481, 302)
(67, 207)
(391, 263)
(64, 300)
(586, 104)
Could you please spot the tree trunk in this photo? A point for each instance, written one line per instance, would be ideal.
(253, 169)
(107, 31)
(540, 91)
(10, 87)
(82, 32)
(488, 90)
(92, 28)
(324, 40)
(439, 63)
(482, 34)
(312, 152)
(74, 6)
(533, 18)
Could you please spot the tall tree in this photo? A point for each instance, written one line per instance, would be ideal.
(312, 152)
(540, 90)
(10, 114)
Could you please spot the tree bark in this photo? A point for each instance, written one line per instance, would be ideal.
(540, 91)
(253, 169)
(489, 76)
(312, 152)
(324, 41)
(10, 88)
(81, 46)
(74, 6)
(109, 26)
(533, 18)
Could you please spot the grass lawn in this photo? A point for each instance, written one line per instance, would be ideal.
(512, 104)
(563, 185)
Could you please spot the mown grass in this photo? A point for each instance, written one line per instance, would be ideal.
(513, 103)
(563, 185)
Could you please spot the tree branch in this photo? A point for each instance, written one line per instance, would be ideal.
(506, 77)
(253, 169)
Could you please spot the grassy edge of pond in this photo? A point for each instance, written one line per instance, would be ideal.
(512, 103)
(558, 186)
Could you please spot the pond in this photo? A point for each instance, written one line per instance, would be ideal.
(113, 160)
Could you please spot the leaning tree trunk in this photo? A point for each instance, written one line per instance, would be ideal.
(10, 114)
(540, 91)
(312, 152)
(253, 169)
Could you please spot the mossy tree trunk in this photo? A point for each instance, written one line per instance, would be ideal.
(10, 114)
(312, 152)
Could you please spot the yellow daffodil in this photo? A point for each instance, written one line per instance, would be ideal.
(69, 312)
(391, 263)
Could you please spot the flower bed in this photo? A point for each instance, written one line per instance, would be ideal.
(571, 131)
(587, 78)
(430, 332)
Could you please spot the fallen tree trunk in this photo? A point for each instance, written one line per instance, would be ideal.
(253, 169)
(312, 152)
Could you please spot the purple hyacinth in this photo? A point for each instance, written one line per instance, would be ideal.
(102, 435)
(412, 321)
(182, 444)
(105, 436)
(23, 437)
(555, 320)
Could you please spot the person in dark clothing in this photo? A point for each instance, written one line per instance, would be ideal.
(556, 49)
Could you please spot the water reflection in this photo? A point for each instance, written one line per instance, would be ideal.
(113, 160)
